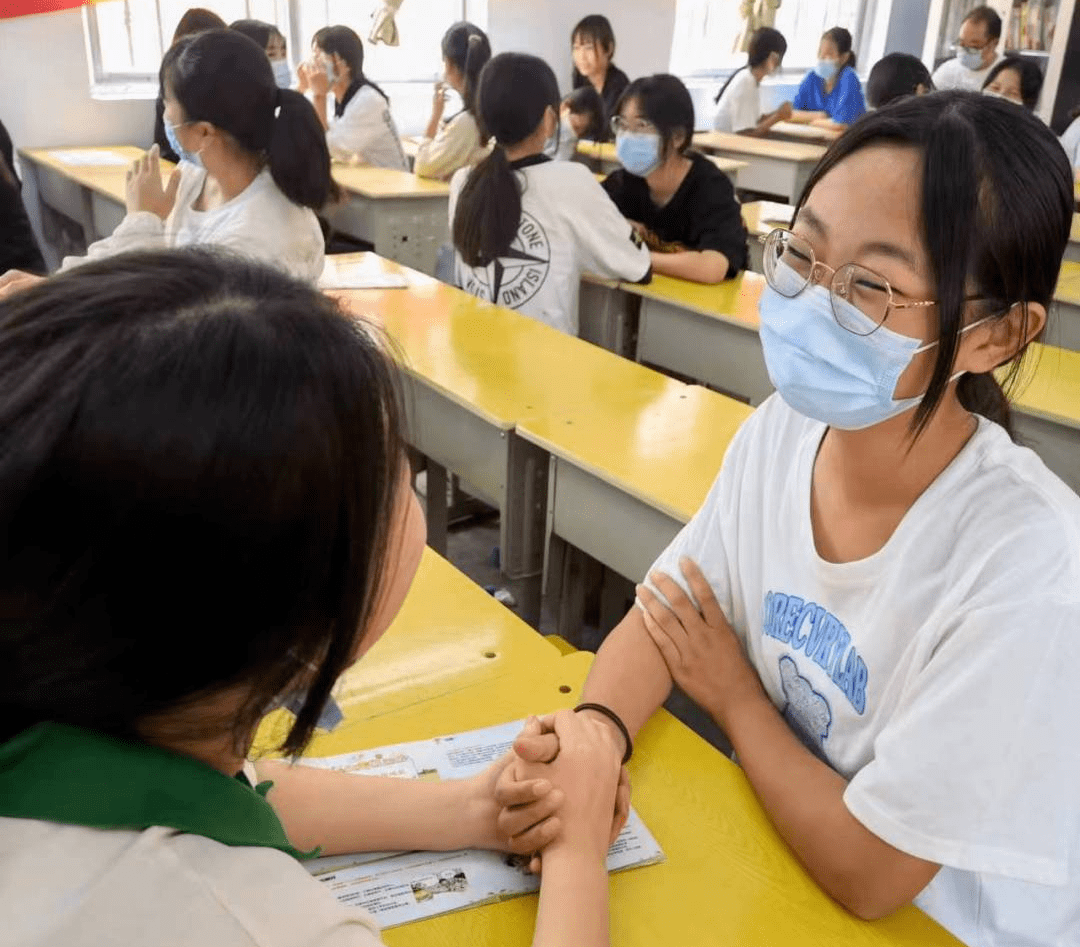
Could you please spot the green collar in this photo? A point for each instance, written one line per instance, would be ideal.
(73, 776)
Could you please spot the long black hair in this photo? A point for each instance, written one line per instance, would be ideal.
(597, 29)
(841, 39)
(1031, 78)
(763, 43)
(895, 76)
(997, 205)
(342, 41)
(516, 90)
(199, 461)
(468, 49)
(665, 101)
(224, 78)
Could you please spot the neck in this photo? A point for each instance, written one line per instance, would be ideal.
(340, 87)
(759, 72)
(234, 172)
(523, 149)
(598, 79)
(666, 180)
(215, 746)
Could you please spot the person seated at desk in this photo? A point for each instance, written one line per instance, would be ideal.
(19, 250)
(1017, 80)
(739, 101)
(270, 38)
(457, 142)
(976, 52)
(253, 162)
(895, 76)
(681, 204)
(878, 602)
(526, 227)
(830, 95)
(207, 513)
(362, 128)
(592, 45)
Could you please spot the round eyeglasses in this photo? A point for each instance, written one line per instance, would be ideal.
(790, 265)
(638, 126)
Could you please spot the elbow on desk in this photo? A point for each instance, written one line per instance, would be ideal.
(867, 897)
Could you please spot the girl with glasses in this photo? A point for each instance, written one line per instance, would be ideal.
(879, 601)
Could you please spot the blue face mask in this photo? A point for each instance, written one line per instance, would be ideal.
(282, 74)
(970, 58)
(638, 152)
(827, 373)
(827, 68)
(174, 143)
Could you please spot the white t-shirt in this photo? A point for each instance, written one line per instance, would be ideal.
(740, 105)
(260, 222)
(366, 132)
(568, 226)
(1070, 141)
(951, 74)
(72, 886)
(939, 675)
(457, 145)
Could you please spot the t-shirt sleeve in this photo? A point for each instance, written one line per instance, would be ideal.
(605, 238)
(979, 767)
(717, 222)
(615, 185)
(805, 100)
(847, 102)
(450, 149)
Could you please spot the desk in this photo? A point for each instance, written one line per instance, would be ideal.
(774, 167)
(1047, 410)
(91, 195)
(404, 216)
(762, 217)
(796, 131)
(1065, 316)
(603, 159)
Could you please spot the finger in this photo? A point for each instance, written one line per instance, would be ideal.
(668, 651)
(702, 592)
(173, 185)
(538, 837)
(510, 791)
(678, 600)
(664, 616)
(535, 865)
(512, 823)
(541, 748)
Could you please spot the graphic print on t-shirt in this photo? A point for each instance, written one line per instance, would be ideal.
(516, 276)
(807, 712)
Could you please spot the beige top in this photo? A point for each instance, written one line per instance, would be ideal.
(457, 145)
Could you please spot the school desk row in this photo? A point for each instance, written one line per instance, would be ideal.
(456, 660)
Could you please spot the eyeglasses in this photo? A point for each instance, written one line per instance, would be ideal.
(790, 265)
(636, 126)
(957, 46)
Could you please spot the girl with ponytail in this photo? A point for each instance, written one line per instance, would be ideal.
(525, 227)
(254, 166)
(459, 141)
(739, 100)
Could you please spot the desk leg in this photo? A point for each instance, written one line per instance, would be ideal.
(437, 514)
(523, 524)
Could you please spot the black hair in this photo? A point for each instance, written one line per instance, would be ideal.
(665, 101)
(587, 101)
(1031, 78)
(226, 79)
(997, 205)
(257, 31)
(343, 42)
(763, 43)
(515, 92)
(597, 28)
(468, 49)
(989, 18)
(196, 20)
(199, 463)
(841, 38)
(895, 76)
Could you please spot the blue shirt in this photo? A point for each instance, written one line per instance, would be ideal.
(844, 104)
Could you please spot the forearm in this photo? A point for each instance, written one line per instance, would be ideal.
(805, 117)
(433, 125)
(319, 101)
(573, 900)
(803, 797)
(699, 266)
(343, 812)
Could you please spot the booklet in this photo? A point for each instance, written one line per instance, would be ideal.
(401, 887)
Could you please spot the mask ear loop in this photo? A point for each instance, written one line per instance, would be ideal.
(974, 325)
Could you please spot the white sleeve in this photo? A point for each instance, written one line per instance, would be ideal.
(358, 128)
(943, 76)
(745, 104)
(1070, 141)
(143, 230)
(979, 768)
(605, 239)
(450, 149)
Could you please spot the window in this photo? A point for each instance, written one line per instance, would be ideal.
(127, 38)
(707, 31)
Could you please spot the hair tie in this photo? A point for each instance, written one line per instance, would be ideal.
(277, 103)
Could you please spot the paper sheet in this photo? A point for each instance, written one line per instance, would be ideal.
(400, 887)
(76, 157)
(366, 274)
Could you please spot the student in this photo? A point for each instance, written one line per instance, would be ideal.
(362, 128)
(206, 509)
(525, 227)
(830, 95)
(895, 76)
(268, 37)
(683, 206)
(19, 249)
(739, 101)
(1016, 79)
(458, 142)
(581, 116)
(254, 166)
(193, 21)
(976, 52)
(593, 48)
(886, 588)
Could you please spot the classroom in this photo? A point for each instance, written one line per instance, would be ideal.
(487, 472)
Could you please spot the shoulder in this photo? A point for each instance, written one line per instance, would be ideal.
(946, 69)
(707, 178)
(616, 79)
(849, 78)
(365, 101)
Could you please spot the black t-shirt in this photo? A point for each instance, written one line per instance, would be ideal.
(615, 83)
(704, 214)
(18, 246)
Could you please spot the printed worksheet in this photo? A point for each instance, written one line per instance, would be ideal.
(400, 887)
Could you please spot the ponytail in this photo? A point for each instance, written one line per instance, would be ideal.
(723, 88)
(488, 211)
(299, 158)
(468, 49)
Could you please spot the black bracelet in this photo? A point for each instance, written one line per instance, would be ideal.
(615, 719)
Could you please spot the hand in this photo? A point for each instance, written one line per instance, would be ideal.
(15, 281)
(144, 188)
(317, 79)
(699, 647)
(438, 103)
(303, 82)
(785, 112)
